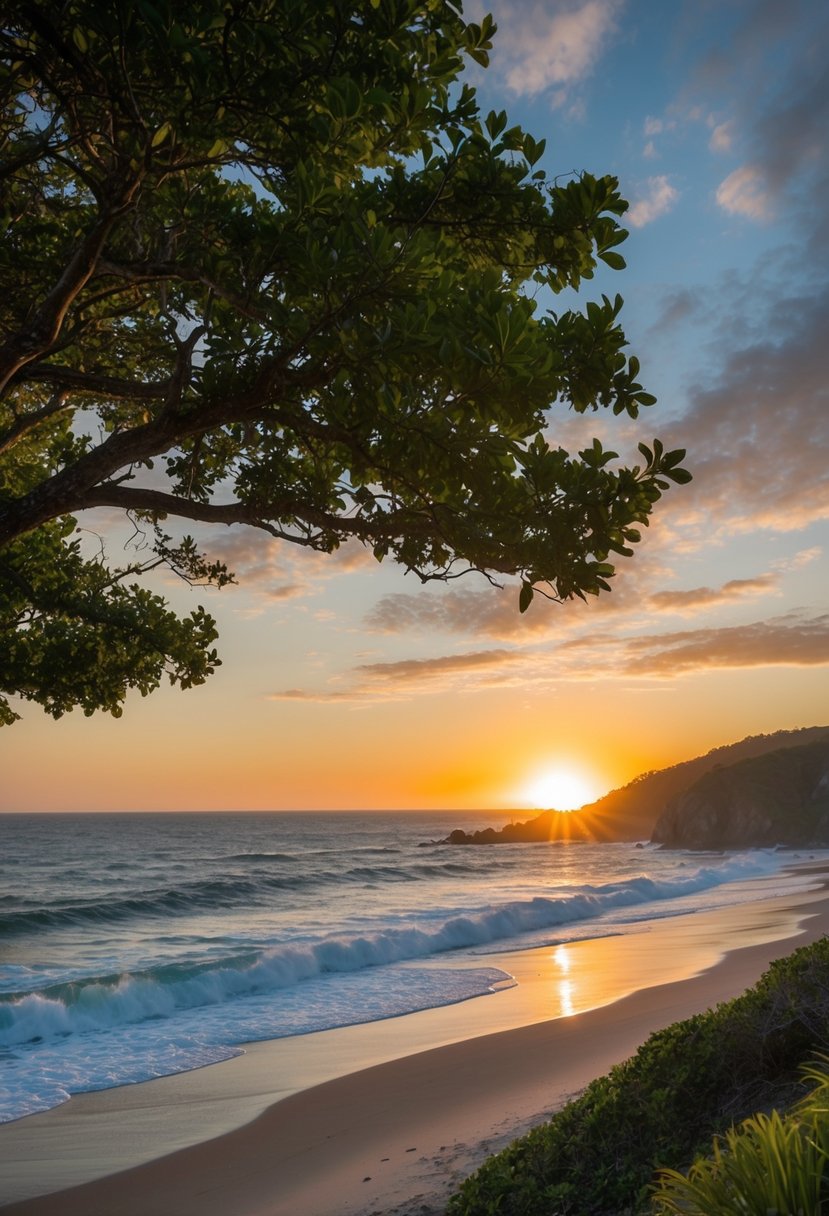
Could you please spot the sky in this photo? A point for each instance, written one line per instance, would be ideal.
(346, 685)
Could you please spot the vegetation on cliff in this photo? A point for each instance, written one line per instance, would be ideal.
(781, 798)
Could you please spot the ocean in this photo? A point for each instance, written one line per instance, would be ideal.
(137, 945)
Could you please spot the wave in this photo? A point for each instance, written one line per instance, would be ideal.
(222, 892)
(106, 1001)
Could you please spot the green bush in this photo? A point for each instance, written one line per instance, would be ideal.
(661, 1108)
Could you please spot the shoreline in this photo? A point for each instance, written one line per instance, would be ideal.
(365, 1118)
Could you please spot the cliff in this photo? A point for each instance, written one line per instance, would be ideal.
(630, 812)
(778, 798)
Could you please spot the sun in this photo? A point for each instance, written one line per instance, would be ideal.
(559, 788)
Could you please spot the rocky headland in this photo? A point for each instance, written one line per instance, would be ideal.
(781, 798)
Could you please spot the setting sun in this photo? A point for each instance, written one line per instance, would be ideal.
(560, 788)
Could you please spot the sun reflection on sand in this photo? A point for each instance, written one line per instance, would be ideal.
(561, 958)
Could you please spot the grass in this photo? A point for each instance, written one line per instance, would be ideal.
(770, 1163)
(599, 1155)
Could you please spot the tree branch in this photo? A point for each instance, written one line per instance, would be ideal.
(98, 384)
(43, 328)
(151, 272)
(22, 426)
(132, 498)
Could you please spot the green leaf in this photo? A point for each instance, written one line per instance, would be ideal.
(161, 134)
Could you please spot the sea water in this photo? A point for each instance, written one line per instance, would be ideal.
(138, 945)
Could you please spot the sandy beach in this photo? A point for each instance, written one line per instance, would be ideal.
(387, 1118)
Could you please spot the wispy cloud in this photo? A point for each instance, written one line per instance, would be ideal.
(258, 562)
(420, 670)
(722, 137)
(798, 560)
(794, 640)
(403, 678)
(658, 200)
(785, 641)
(313, 697)
(488, 613)
(678, 306)
(698, 599)
(651, 128)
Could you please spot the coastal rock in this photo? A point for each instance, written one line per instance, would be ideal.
(547, 826)
(781, 798)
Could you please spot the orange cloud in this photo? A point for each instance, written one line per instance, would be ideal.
(699, 598)
(404, 670)
(782, 642)
(391, 680)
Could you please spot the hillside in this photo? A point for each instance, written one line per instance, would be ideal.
(630, 813)
(781, 797)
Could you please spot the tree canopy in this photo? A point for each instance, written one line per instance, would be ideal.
(265, 262)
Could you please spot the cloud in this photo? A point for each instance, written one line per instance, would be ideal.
(257, 560)
(489, 613)
(798, 560)
(276, 570)
(658, 201)
(679, 306)
(406, 677)
(300, 694)
(653, 126)
(771, 72)
(550, 46)
(757, 438)
(649, 151)
(493, 613)
(794, 640)
(349, 558)
(745, 192)
(699, 598)
(797, 639)
(722, 137)
(418, 670)
(781, 642)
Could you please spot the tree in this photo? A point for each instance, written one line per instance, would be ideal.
(271, 251)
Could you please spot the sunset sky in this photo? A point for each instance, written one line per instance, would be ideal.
(347, 685)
